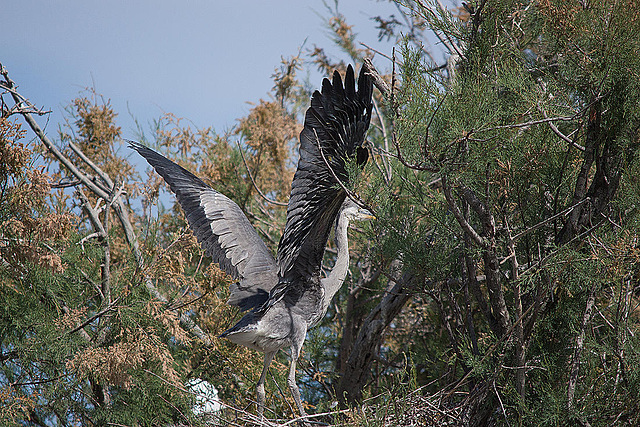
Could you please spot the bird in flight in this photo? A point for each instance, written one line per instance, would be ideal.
(285, 296)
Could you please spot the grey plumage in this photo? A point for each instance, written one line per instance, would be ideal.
(223, 231)
(286, 296)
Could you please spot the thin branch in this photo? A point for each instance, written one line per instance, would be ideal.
(306, 417)
(22, 105)
(376, 51)
(66, 182)
(453, 43)
(93, 215)
(575, 363)
(501, 404)
(385, 138)
(562, 244)
(39, 381)
(107, 180)
(184, 304)
(106, 267)
(458, 215)
(449, 43)
(529, 123)
(273, 202)
(520, 345)
(110, 307)
(433, 115)
(378, 81)
(353, 196)
(489, 352)
(564, 137)
(548, 220)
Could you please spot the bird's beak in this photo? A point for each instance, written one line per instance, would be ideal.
(367, 215)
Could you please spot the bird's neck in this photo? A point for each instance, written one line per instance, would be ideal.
(335, 279)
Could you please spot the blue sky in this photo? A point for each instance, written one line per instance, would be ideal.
(201, 60)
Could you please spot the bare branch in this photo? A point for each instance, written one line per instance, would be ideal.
(385, 138)
(353, 196)
(575, 363)
(98, 190)
(378, 81)
(376, 52)
(107, 180)
(109, 308)
(273, 202)
(459, 217)
(520, 345)
(562, 136)
(529, 123)
(548, 220)
(66, 182)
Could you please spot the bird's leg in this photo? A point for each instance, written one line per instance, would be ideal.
(260, 386)
(295, 392)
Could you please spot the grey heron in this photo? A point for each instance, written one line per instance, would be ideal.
(286, 296)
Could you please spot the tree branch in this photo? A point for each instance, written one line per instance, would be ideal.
(575, 362)
(466, 227)
(121, 210)
(369, 337)
(378, 81)
(273, 202)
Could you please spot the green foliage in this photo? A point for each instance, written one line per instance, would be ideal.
(541, 112)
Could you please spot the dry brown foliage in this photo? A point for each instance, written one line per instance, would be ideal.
(28, 224)
(15, 407)
(135, 349)
(93, 129)
(269, 130)
(71, 318)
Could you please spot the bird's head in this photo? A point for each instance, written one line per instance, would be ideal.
(353, 212)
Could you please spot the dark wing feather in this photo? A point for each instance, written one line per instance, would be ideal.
(223, 231)
(334, 126)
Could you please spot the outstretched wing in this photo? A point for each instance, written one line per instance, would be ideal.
(222, 229)
(334, 131)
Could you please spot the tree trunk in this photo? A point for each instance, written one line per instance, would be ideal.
(358, 365)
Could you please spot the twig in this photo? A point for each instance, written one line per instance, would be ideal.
(449, 43)
(274, 202)
(378, 81)
(489, 352)
(500, 401)
(551, 218)
(458, 215)
(520, 345)
(353, 196)
(454, 44)
(110, 307)
(306, 417)
(385, 138)
(529, 123)
(39, 381)
(184, 304)
(433, 115)
(376, 51)
(564, 137)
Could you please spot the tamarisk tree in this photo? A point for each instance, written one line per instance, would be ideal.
(511, 203)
